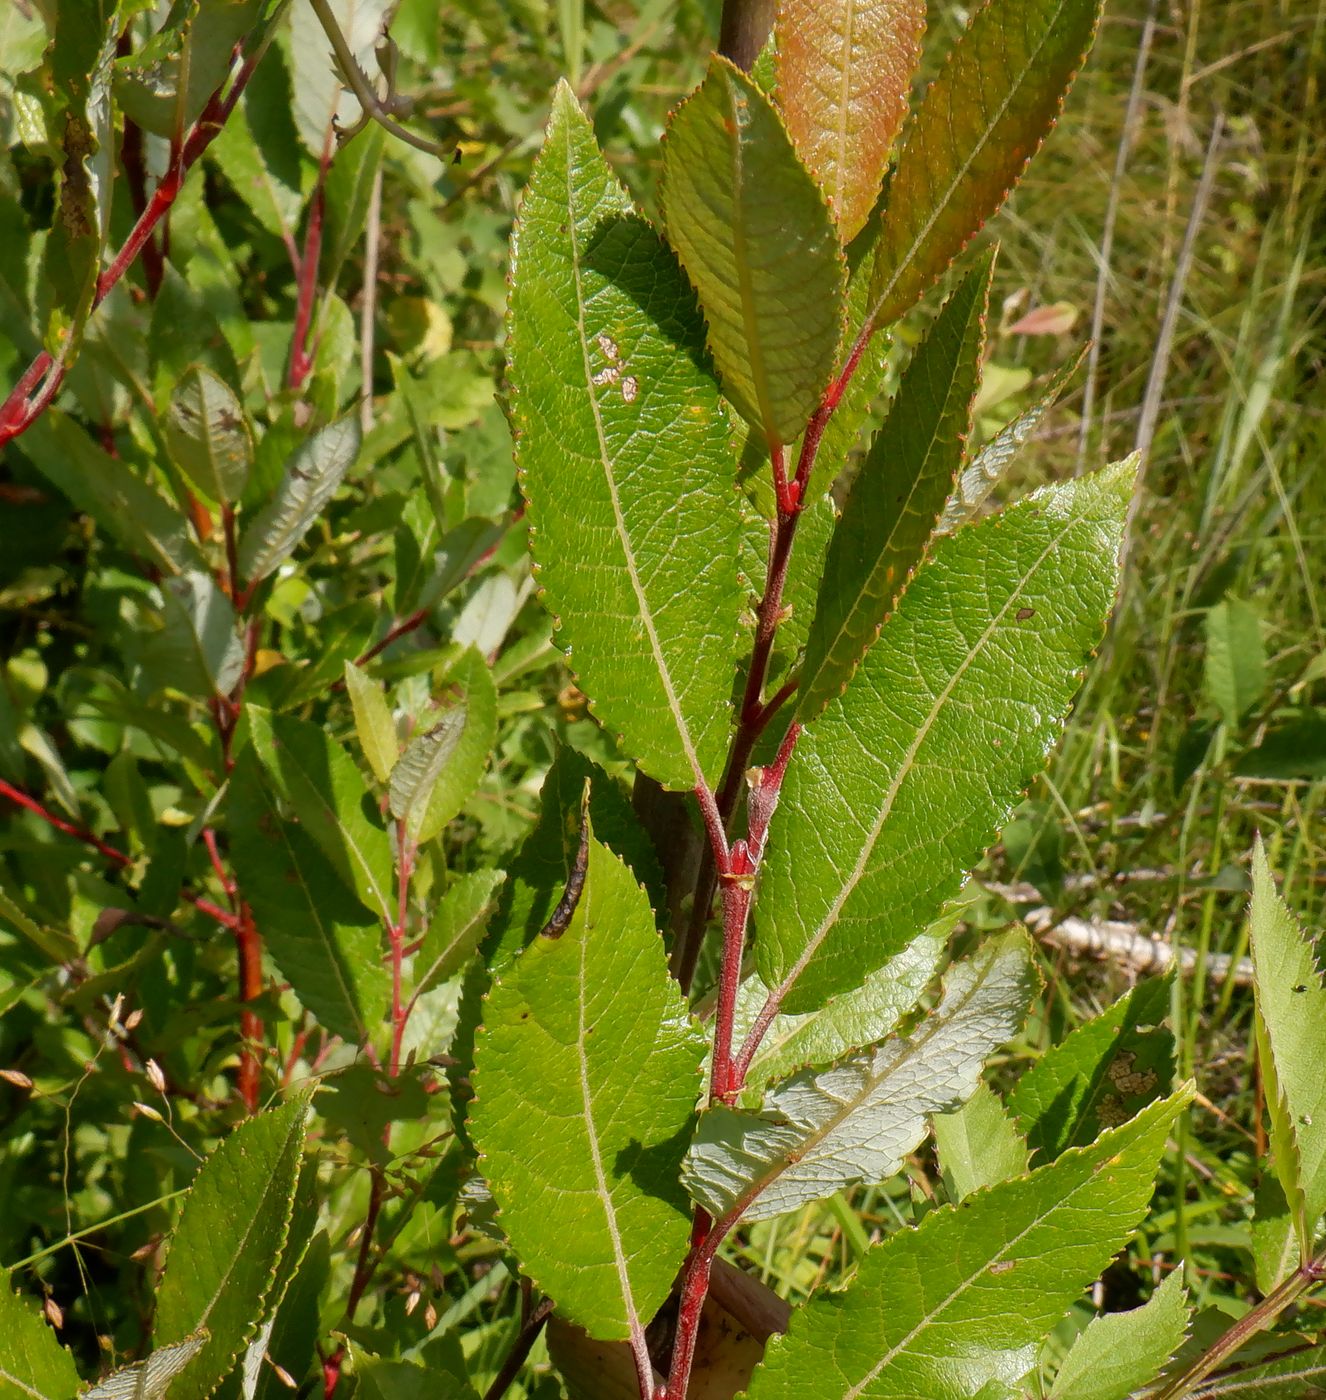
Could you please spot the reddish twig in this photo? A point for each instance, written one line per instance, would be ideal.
(252, 1031)
(301, 356)
(27, 402)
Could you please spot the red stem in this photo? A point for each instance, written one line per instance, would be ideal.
(19, 412)
(252, 1041)
(301, 359)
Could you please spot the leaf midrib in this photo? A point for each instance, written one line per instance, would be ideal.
(595, 1156)
(909, 759)
(605, 461)
(930, 1028)
(932, 1317)
(939, 206)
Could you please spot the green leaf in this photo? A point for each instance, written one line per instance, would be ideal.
(33, 1364)
(987, 468)
(586, 1076)
(979, 123)
(966, 1297)
(311, 477)
(624, 459)
(896, 498)
(404, 1380)
(978, 1145)
(149, 1379)
(225, 1251)
(1291, 1006)
(947, 719)
(81, 124)
(1235, 659)
(847, 1022)
(755, 236)
(440, 769)
(1300, 1375)
(844, 76)
(1292, 751)
(209, 436)
(1101, 1074)
(199, 650)
(457, 925)
(373, 722)
(130, 508)
(193, 48)
(321, 783)
(1121, 1352)
(326, 944)
(823, 1130)
(542, 867)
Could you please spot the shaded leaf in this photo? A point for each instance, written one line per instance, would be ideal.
(964, 1299)
(321, 783)
(209, 436)
(979, 123)
(947, 719)
(1291, 1007)
(978, 1145)
(226, 1247)
(1121, 1352)
(1099, 1075)
(32, 1361)
(1298, 1376)
(1235, 659)
(888, 518)
(635, 553)
(199, 650)
(823, 1130)
(844, 76)
(1292, 751)
(311, 477)
(755, 236)
(405, 1380)
(587, 1049)
(324, 941)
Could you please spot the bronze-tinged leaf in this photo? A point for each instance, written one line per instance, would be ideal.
(979, 123)
(844, 71)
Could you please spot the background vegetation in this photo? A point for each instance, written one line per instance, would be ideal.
(1179, 204)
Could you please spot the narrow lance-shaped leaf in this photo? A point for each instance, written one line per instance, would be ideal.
(457, 924)
(585, 1079)
(33, 1364)
(900, 785)
(373, 722)
(979, 123)
(1235, 678)
(225, 1250)
(439, 771)
(1121, 1352)
(898, 494)
(323, 786)
(860, 1017)
(311, 478)
(209, 436)
(823, 1130)
(199, 649)
(844, 74)
(965, 1299)
(624, 459)
(1101, 1074)
(1291, 1006)
(323, 939)
(986, 469)
(755, 236)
